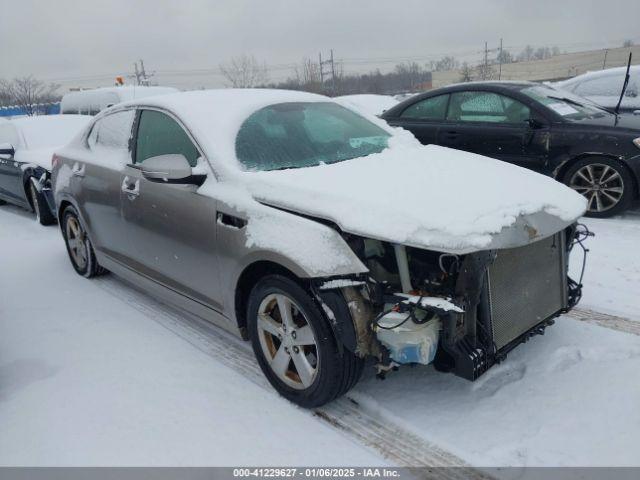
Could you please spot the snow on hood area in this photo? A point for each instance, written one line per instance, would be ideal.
(42, 135)
(423, 196)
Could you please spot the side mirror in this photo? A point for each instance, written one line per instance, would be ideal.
(534, 124)
(7, 151)
(172, 168)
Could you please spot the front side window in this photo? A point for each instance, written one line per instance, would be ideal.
(486, 107)
(434, 108)
(159, 134)
(306, 134)
(112, 132)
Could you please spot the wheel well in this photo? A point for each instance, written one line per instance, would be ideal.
(249, 277)
(64, 204)
(562, 171)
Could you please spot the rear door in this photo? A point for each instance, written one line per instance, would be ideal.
(495, 125)
(171, 229)
(96, 177)
(424, 118)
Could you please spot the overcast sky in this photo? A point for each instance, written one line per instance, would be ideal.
(88, 43)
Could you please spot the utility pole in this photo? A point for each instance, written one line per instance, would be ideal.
(486, 61)
(604, 64)
(500, 59)
(333, 74)
(141, 75)
(329, 71)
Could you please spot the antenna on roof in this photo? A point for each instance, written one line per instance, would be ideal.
(626, 83)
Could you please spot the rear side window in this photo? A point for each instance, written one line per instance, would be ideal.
(112, 132)
(434, 108)
(486, 107)
(159, 134)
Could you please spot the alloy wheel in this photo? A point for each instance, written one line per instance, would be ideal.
(288, 341)
(602, 186)
(76, 242)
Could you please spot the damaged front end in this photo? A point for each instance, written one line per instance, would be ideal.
(463, 313)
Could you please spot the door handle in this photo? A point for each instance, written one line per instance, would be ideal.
(131, 189)
(231, 220)
(78, 170)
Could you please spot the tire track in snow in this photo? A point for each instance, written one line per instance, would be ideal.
(393, 442)
(605, 320)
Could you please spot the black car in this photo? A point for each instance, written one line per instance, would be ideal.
(594, 151)
(26, 148)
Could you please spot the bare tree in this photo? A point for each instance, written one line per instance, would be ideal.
(485, 71)
(444, 64)
(466, 73)
(245, 72)
(627, 43)
(410, 75)
(307, 76)
(5, 96)
(526, 54)
(504, 57)
(29, 93)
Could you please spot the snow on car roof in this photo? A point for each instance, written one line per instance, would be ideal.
(599, 74)
(47, 131)
(99, 98)
(214, 117)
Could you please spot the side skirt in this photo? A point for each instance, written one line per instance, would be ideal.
(167, 295)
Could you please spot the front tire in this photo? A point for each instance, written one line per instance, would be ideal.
(79, 246)
(295, 346)
(40, 207)
(606, 184)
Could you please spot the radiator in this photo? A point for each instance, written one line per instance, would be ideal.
(526, 286)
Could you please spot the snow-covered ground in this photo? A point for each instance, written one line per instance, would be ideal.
(88, 379)
(612, 275)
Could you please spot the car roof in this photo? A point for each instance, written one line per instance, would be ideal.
(609, 72)
(496, 85)
(214, 117)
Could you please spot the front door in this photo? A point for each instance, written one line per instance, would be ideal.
(494, 125)
(171, 228)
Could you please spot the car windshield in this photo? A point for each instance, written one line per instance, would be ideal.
(569, 106)
(306, 134)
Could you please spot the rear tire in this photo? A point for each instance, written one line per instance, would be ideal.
(308, 343)
(40, 206)
(607, 185)
(79, 246)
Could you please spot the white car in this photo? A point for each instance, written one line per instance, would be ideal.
(323, 235)
(92, 101)
(26, 148)
(605, 86)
